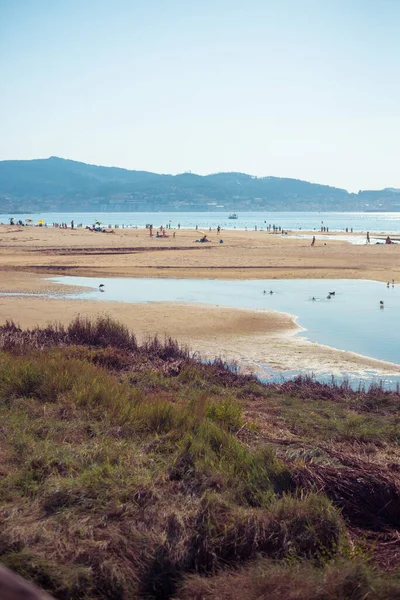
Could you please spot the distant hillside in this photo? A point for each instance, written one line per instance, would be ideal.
(58, 184)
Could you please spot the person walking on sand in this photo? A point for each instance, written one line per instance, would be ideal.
(313, 241)
(368, 240)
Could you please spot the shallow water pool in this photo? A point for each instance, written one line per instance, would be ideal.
(351, 320)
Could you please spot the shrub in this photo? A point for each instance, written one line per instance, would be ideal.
(103, 332)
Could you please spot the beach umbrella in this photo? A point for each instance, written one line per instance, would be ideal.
(40, 222)
(28, 220)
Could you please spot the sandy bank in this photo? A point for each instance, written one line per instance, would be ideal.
(247, 336)
(243, 255)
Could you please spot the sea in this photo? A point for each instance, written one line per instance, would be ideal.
(377, 222)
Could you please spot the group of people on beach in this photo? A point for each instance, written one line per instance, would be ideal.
(161, 232)
(64, 225)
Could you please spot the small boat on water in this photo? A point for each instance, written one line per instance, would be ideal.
(233, 216)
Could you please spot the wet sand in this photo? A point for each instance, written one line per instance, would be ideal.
(243, 255)
(29, 254)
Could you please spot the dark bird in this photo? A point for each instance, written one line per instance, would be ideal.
(101, 285)
(382, 305)
(332, 293)
(328, 297)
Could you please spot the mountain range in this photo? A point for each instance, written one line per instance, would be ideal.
(57, 184)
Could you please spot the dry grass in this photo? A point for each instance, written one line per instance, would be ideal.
(273, 581)
(126, 469)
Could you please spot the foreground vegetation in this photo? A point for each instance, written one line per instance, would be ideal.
(135, 471)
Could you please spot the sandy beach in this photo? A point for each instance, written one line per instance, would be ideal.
(243, 255)
(29, 254)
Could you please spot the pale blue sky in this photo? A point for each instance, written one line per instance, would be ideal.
(292, 88)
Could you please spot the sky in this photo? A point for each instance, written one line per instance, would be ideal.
(308, 89)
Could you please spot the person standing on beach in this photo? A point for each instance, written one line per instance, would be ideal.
(313, 241)
(368, 240)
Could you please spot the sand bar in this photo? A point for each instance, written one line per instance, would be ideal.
(29, 254)
(243, 255)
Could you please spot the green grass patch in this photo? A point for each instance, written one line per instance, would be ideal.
(125, 468)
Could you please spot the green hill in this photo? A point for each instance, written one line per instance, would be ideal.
(57, 184)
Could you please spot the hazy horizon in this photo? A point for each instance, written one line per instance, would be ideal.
(299, 90)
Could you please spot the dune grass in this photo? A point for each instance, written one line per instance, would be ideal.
(137, 471)
(270, 580)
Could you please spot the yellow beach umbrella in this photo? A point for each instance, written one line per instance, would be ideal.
(40, 222)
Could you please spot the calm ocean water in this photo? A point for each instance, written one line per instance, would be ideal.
(336, 221)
